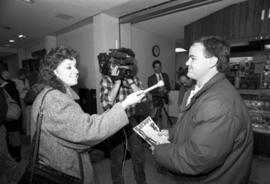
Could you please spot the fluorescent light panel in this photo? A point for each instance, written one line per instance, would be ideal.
(28, 1)
(21, 36)
(180, 50)
(267, 46)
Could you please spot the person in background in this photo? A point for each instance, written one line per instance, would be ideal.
(159, 95)
(6, 75)
(212, 141)
(114, 89)
(184, 84)
(28, 100)
(9, 170)
(32, 93)
(13, 127)
(22, 85)
(67, 133)
(22, 82)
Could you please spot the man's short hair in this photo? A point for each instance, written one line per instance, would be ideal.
(217, 47)
(156, 62)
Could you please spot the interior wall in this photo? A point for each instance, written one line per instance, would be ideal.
(12, 64)
(34, 47)
(180, 59)
(106, 36)
(142, 43)
(81, 40)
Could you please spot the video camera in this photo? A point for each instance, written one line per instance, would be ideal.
(120, 57)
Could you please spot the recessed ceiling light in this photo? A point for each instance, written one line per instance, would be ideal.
(28, 1)
(11, 41)
(21, 36)
(180, 50)
(7, 45)
(267, 46)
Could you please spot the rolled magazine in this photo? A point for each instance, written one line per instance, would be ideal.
(149, 130)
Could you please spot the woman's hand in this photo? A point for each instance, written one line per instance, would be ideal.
(133, 98)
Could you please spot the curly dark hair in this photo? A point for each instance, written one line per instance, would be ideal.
(50, 62)
(216, 46)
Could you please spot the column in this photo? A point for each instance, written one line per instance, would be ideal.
(50, 42)
(106, 36)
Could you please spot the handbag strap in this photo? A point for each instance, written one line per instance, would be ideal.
(37, 141)
(36, 137)
(9, 98)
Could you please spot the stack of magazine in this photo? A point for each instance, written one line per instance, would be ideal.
(149, 131)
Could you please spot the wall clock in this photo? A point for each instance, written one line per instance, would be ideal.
(156, 50)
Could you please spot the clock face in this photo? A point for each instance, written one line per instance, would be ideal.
(156, 50)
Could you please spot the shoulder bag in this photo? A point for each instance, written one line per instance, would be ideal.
(37, 173)
(14, 110)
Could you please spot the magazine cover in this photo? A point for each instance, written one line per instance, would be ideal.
(149, 130)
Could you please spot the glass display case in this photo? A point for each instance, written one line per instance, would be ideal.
(251, 76)
(258, 103)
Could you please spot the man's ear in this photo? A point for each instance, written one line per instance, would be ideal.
(213, 61)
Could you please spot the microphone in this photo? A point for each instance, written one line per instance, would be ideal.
(157, 85)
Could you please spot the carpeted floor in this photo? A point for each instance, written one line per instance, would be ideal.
(260, 168)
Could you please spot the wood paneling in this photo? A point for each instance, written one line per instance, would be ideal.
(239, 21)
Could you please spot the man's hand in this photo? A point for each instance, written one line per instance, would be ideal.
(152, 148)
(165, 134)
(130, 82)
(115, 71)
(162, 90)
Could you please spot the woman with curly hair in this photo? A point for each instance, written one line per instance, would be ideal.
(66, 130)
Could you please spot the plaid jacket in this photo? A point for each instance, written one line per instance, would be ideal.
(106, 84)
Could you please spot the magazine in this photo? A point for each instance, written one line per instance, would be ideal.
(149, 130)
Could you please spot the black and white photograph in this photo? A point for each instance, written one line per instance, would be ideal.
(134, 91)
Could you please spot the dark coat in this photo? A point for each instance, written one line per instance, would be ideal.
(10, 88)
(152, 80)
(3, 106)
(212, 140)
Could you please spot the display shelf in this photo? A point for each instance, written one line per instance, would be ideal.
(254, 91)
(258, 104)
(261, 128)
(262, 112)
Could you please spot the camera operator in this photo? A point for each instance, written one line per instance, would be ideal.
(118, 81)
(159, 95)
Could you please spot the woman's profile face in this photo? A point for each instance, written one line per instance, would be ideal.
(67, 72)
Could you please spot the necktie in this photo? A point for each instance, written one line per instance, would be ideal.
(159, 77)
